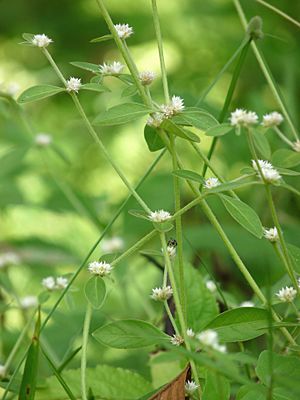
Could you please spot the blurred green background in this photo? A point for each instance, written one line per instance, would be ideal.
(51, 211)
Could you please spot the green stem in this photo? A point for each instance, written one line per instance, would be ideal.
(266, 71)
(279, 12)
(160, 51)
(228, 99)
(282, 136)
(171, 318)
(85, 337)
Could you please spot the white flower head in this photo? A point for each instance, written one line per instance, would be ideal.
(287, 294)
(211, 183)
(174, 107)
(190, 333)
(271, 234)
(49, 283)
(114, 68)
(241, 117)
(73, 84)
(272, 119)
(9, 258)
(171, 250)
(247, 303)
(112, 245)
(43, 139)
(176, 340)
(161, 293)
(190, 387)
(147, 77)
(155, 120)
(296, 146)
(41, 40)
(211, 286)
(269, 173)
(124, 31)
(208, 337)
(61, 282)
(101, 268)
(29, 302)
(2, 371)
(220, 347)
(159, 216)
(263, 164)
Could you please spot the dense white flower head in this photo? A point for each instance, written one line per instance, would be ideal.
(190, 333)
(49, 283)
(155, 120)
(147, 77)
(287, 294)
(270, 174)
(2, 371)
(101, 268)
(208, 337)
(73, 84)
(159, 216)
(211, 286)
(176, 340)
(211, 183)
(43, 139)
(241, 117)
(124, 30)
(190, 387)
(263, 164)
(271, 234)
(29, 302)
(296, 146)
(161, 293)
(272, 119)
(114, 68)
(174, 107)
(112, 245)
(9, 258)
(41, 40)
(61, 282)
(247, 303)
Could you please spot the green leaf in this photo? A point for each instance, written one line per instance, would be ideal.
(289, 172)
(12, 160)
(169, 126)
(253, 391)
(261, 143)
(191, 175)
(295, 256)
(129, 91)
(285, 158)
(153, 139)
(216, 387)
(243, 214)
(95, 291)
(109, 383)
(240, 324)
(225, 187)
(86, 66)
(285, 371)
(28, 36)
(219, 130)
(122, 114)
(130, 334)
(101, 39)
(97, 79)
(196, 117)
(38, 93)
(95, 87)
(139, 214)
(29, 379)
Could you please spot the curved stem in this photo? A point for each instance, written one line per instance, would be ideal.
(85, 337)
(282, 137)
(279, 12)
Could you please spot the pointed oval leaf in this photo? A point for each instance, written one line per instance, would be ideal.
(95, 87)
(243, 214)
(95, 291)
(129, 91)
(219, 130)
(153, 139)
(87, 66)
(196, 117)
(38, 93)
(101, 39)
(139, 214)
(130, 334)
(240, 324)
(121, 114)
(289, 172)
(285, 158)
(174, 129)
(191, 175)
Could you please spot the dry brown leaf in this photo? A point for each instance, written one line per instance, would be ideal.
(175, 389)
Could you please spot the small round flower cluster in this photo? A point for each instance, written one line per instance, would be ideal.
(124, 31)
(247, 303)
(41, 40)
(155, 120)
(51, 284)
(43, 139)
(161, 293)
(112, 245)
(159, 216)
(211, 183)
(175, 106)
(209, 338)
(8, 258)
(271, 234)
(287, 294)
(190, 387)
(241, 117)
(176, 340)
(114, 68)
(100, 268)
(270, 174)
(73, 84)
(272, 119)
(29, 302)
(147, 77)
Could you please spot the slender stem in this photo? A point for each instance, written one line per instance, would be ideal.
(283, 137)
(85, 337)
(160, 50)
(171, 318)
(279, 12)
(266, 71)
